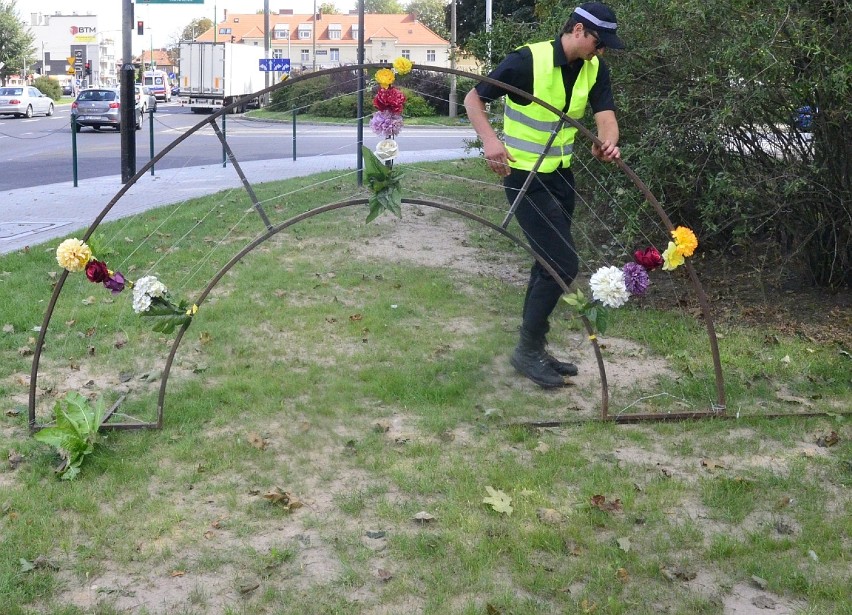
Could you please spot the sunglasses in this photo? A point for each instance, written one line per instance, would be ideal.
(599, 44)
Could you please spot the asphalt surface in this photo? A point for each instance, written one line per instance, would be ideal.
(30, 216)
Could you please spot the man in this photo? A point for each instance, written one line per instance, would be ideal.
(568, 74)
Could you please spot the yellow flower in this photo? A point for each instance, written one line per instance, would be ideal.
(403, 65)
(685, 240)
(193, 310)
(73, 255)
(672, 259)
(385, 76)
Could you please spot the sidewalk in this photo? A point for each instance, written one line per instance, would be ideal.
(30, 216)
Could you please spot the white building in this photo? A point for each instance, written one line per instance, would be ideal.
(60, 37)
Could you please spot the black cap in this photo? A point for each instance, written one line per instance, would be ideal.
(600, 18)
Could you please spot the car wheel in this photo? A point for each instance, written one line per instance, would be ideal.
(29, 112)
(77, 127)
(49, 110)
(96, 128)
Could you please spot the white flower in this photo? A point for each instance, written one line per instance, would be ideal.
(149, 285)
(608, 287)
(141, 302)
(387, 150)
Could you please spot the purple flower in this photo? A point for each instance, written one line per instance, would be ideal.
(115, 283)
(386, 124)
(635, 278)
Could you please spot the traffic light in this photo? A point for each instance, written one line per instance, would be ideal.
(88, 67)
(140, 27)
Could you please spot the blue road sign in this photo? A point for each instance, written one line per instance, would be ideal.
(275, 64)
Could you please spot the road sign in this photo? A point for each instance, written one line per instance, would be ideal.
(71, 60)
(275, 64)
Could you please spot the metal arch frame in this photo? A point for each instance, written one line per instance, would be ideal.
(717, 409)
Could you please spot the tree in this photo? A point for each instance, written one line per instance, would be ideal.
(328, 8)
(470, 15)
(383, 7)
(194, 28)
(16, 43)
(433, 14)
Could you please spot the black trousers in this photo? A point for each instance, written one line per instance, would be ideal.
(545, 217)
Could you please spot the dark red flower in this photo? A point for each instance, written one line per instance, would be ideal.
(97, 271)
(649, 258)
(389, 99)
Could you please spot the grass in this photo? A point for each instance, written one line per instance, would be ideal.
(380, 388)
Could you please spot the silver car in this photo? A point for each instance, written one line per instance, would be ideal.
(24, 101)
(101, 107)
(145, 98)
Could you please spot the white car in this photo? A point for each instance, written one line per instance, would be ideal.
(24, 101)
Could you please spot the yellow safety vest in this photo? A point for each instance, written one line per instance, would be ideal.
(527, 128)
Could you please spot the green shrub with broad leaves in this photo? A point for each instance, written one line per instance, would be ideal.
(74, 433)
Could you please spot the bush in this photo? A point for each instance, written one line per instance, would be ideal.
(48, 87)
(344, 106)
(415, 105)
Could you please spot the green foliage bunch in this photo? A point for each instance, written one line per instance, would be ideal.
(16, 41)
(416, 105)
(49, 87)
(299, 96)
(345, 106)
(74, 433)
(707, 97)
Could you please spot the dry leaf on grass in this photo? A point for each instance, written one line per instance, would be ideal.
(828, 440)
(498, 500)
(712, 464)
(599, 502)
(283, 499)
(622, 575)
(624, 544)
(423, 517)
(257, 441)
(384, 575)
(15, 459)
(676, 573)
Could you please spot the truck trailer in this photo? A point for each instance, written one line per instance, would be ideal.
(213, 75)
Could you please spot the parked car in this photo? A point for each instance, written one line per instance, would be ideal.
(101, 107)
(145, 98)
(175, 90)
(67, 90)
(24, 101)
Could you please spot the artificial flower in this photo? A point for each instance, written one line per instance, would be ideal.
(649, 258)
(389, 99)
(145, 291)
(635, 278)
(73, 255)
(115, 282)
(387, 149)
(384, 77)
(608, 287)
(386, 124)
(672, 259)
(96, 271)
(685, 240)
(403, 65)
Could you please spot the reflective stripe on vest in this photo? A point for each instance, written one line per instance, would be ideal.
(527, 128)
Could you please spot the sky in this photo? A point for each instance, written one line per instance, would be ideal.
(163, 22)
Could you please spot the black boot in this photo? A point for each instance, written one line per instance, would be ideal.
(529, 359)
(560, 367)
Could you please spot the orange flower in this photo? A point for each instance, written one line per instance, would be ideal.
(685, 241)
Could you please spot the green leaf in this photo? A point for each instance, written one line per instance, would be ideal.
(603, 319)
(373, 167)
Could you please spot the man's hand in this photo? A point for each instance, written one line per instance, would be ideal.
(607, 152)
(497, 157)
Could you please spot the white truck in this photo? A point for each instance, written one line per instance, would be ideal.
(213, 75)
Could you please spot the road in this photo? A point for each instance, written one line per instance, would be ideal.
(38, 151)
